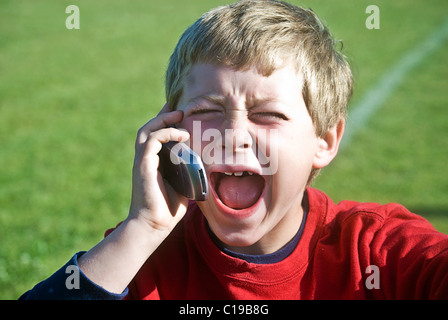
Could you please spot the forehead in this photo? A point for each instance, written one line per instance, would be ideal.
(209, 79)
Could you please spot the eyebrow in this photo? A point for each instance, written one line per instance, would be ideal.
(221, 100)
(213, 98)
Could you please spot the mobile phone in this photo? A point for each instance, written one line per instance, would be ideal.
(183, 169)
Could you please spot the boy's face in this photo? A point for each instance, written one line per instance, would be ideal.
(258, 129)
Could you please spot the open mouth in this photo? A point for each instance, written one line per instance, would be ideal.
(238, 190)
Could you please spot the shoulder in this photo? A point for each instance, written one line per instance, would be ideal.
(384, 225)
(410, 254)
(381, 228)
(380, 215)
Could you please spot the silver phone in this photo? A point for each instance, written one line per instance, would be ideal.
(183, 169)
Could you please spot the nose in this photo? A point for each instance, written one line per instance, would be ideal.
(237, 135)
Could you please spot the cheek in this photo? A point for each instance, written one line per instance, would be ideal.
(295, 161)
(194, 126)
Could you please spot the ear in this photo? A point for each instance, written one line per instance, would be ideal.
(328, 145)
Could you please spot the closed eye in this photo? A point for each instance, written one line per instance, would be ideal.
(201, 111)
(205, 113)
(270, 115)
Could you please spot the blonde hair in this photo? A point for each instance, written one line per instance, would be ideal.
(268, 34)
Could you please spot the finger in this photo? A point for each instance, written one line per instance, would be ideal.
(177, 203)
(157, 138)
(147, 156)
(161, 121)
(166, 108)
(152, 146)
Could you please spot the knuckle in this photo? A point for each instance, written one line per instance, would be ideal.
(142, 132)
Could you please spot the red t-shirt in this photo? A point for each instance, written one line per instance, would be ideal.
(347, 251)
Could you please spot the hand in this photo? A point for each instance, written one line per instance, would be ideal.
(155, 210)
(153, 200)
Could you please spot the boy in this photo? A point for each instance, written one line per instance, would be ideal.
(265, 75)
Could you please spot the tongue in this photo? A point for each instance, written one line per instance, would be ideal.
(240, 192)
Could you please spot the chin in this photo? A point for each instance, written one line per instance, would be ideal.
(236, 238)
(234, 231)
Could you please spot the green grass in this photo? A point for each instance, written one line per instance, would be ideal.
(71, 102)
(400, 155)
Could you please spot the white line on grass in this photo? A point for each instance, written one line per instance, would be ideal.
(378, 94)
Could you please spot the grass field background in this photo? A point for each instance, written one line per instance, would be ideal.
(71, 102)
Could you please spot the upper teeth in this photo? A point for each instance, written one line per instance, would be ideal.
(239, 173)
